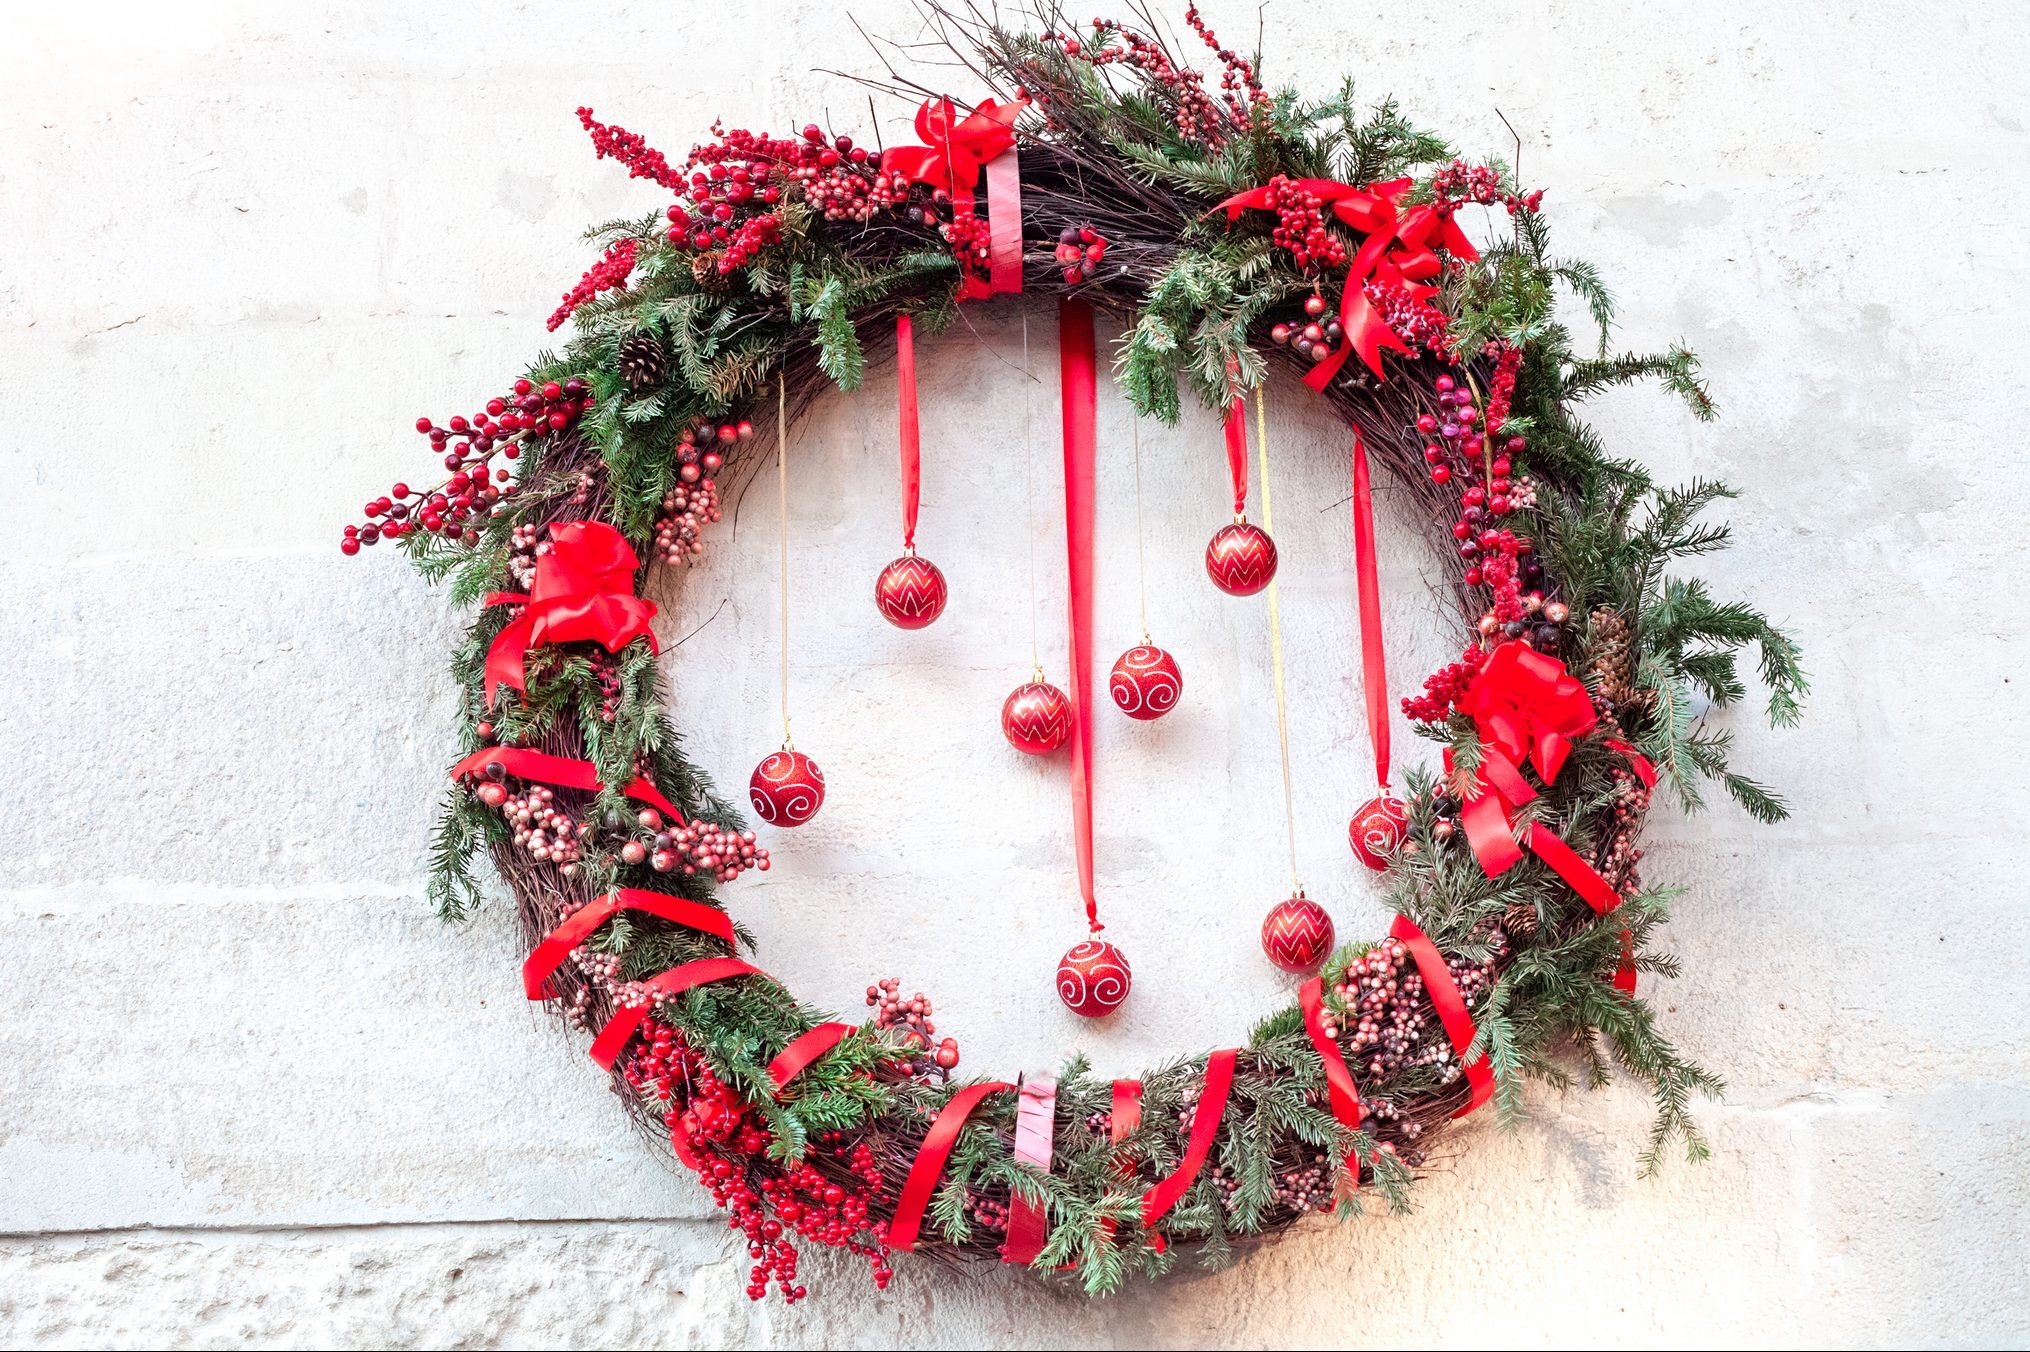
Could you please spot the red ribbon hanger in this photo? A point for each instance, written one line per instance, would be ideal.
(1397, 250)
(1078, 378)
(911, 439)
(1236, 430)
(1374, 674)
(584, 591)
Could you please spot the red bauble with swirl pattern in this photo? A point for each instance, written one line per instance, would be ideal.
(1297, 935)
(1093, 978)
(787, 789)
(1036, 718)
(1241, 559)
(1146, 682)
(1377, 830)
(910, 592)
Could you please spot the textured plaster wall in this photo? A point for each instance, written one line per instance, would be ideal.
(251, 1093)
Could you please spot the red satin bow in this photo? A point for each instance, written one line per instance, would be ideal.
(584, 590)
(1525, 706)
(955, 149)
(1398, 250)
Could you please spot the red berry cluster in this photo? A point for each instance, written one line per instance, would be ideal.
(971, 241)
(843, 181)
(474, 489)
(1198, 115)
(1460, 182)
(692, 848)
(732, 194)
(912, 1018)
(680, 523)
(642, 159)
(1079, 251)
(727, 1143)
(1443, 687)
(542, 829)
(612, 269)
(1300, 225)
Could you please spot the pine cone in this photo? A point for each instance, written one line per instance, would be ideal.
(1520, 920)
(643, 363)
(1611, 662)
(705, 272)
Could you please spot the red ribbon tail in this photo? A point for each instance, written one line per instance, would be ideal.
(1078, 379)
(505, 657)
(1373, 661)
(912, 452)
(1236, 430)
(1566, 863)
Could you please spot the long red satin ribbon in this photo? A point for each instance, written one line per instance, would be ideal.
(1339, 1084)
(1374, 674)
(1078, 386)
(930, 1161)
(556, 946)
(793, 1059)
(912, 448)
(1004, 222)
(1219, 1082)
(559, 771)
(606, 1048)
(1035, 1125)
(1236, 429)
(1451, 1006)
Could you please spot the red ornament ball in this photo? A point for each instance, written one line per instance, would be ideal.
(787, 789)
(1146, 682)
(1241, 559)
(1036, 718)
(911, 592)
(1377, 830)
(1093, 978)
(1297, 935)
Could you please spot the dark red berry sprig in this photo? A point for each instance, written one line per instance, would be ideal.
(1443, 687)
(1459, 183)
(612, 270)
(1199, 116)
(1300, 225)
(642, 159)
(1242, 90)
(1079, 252)
(1417, 322)
(971, 242)
(476, 486)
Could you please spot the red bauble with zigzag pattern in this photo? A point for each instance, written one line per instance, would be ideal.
(911, 592)
(1240, 559)
(1297, 935)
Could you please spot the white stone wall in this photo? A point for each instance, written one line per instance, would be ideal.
(251, 1093)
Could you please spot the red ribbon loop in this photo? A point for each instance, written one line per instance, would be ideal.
(1398, 250)
(560, 771)
(556, 946)
(1219, 1080)
(1527, 704)
(612, 1039)
(1451, 1007)
(584, 591)
(930, 1161)
(794, 1059)
(1035, 1125)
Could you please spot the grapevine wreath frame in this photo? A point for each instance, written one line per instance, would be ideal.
(781, 263)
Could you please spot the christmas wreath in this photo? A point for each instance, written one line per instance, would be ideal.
(1229, 231)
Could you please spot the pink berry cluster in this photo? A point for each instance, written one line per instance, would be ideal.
(842, 181)
(1380, 1009)
(681, 520)
(1080, 250)
(542, 829)
(1459, 182)
(692, 848)
(826, 1197)
(911, 1020)
(612, 270)
(475, 487)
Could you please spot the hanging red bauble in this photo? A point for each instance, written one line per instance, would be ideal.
(787, 789)
(1093, 978)
(1378, 828)
(910, 592)
(1036, 718)
(1146, 682)
(1241, 559)
(1297, 934)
